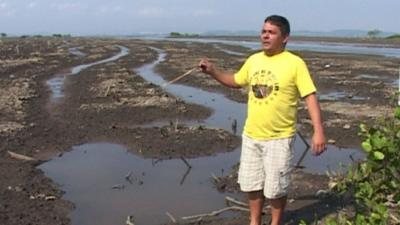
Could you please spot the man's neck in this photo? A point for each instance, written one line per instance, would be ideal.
(272, 53)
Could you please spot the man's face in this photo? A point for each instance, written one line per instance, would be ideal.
(272, 40)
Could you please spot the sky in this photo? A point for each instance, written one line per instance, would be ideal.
(124, 17)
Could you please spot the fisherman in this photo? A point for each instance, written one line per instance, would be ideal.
(276, 79)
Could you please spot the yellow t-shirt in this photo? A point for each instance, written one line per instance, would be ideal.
(275, 84)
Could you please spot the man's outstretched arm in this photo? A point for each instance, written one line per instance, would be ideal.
(223, 77)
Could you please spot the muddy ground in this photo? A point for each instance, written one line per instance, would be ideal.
(111, 102)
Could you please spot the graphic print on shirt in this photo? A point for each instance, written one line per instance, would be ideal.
(264, 86)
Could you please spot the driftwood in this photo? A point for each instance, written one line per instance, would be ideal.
(239, 203)
(171, 217)
(215, 178)
(234, 201)
(394, 218)
(20, 157)
(215, 213)
(130, 220)
(107, 91)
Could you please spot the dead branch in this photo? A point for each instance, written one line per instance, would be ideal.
(20, 157)
(171, 217)
(108, 90)
(304, 153)
(237, 202)
(215, 178)
(394, 218)
(176, 125)
(129, 176)
(186, 162)
(185, 175)
(130, 220)
(215, 213)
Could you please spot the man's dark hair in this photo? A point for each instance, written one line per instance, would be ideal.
(279, 21)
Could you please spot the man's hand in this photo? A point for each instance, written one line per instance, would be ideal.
(318, 144)
(206, 66)
(318, 140)
(221, 76)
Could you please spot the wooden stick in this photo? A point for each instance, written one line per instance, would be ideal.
(20, 157)
(242, 204)
(171, 217)
(179, 77)
(234, 201)
(186, 162)
(215, 213)
(304, 153)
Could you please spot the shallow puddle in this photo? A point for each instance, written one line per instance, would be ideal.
(106, 183)
(75, 51)
(93, 175)
(339, 95)
(56, 83)
(229, 52)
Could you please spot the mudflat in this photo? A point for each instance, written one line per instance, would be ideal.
(111, 102)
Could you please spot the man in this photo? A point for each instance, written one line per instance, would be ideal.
(276, 80)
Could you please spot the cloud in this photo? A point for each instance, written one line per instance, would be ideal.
(73, 6)
(5, 10)
(152, 12)
(203, 12)
(31, 5)
(105, 9)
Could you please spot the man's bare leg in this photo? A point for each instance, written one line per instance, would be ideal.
(277, 208)
(256, 204)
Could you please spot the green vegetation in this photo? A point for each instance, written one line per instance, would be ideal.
(375, 182)
(3, 35)
(395, 36)
(177, 34)
(373, 33)
(61, 35)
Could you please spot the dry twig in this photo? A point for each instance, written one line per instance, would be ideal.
(20, 157)
(186, 162)
(215, 213)
(171, 217)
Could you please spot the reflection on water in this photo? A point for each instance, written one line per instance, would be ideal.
(340, 95)
(106, 183)
(224, 110)
(228, 51)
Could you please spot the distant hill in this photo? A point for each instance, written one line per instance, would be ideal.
(333, 33)
(340, 33)
(231, 33)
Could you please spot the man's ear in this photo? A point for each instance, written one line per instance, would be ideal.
(286, 39)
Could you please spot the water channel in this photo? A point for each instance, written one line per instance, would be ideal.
(351, 48)
(94, 175)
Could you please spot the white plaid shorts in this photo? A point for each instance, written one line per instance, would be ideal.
(266, 165)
